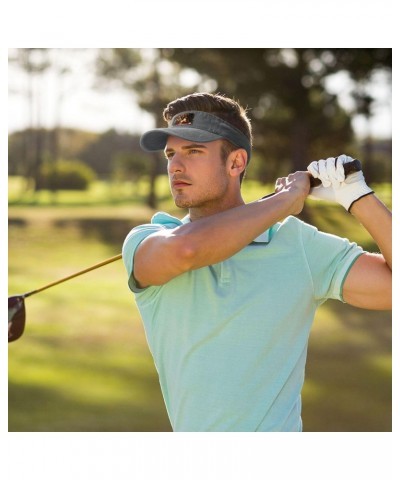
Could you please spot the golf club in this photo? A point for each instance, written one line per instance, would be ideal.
(16, 303)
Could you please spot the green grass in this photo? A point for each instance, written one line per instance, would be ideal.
(99, 193)
(83, 363)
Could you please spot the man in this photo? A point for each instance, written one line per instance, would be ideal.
(228, 294)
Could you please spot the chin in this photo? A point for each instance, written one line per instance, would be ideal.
(180, 203)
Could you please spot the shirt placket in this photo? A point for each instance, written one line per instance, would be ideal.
(225, 274)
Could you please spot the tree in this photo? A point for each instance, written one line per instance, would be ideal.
(362, 65)
(99, 153)
(33, 62)
(297, 119)
(40, 144)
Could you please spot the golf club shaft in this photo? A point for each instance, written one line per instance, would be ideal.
(98, 265)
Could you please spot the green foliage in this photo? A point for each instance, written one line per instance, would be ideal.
(295, 119)
(65, 175)
(66, 143)
(100, 153)
(130, 166)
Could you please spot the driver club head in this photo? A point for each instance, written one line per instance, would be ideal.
(16, 317)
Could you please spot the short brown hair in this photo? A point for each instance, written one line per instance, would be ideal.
(217, 104)
(223, 107)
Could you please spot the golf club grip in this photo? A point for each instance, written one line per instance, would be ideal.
(350, 167)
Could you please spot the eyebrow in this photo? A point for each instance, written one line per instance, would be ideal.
(186, 147)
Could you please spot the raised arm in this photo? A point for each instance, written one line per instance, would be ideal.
(369, 282)
(209, 240)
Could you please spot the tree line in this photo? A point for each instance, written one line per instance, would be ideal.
(295, 117)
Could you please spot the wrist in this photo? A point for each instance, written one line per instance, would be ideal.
(360, 202)
(361, 192)
(291, 201)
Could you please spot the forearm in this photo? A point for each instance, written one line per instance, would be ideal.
(377, 220)
(212, 239)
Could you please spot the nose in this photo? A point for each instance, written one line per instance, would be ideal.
(175, 163)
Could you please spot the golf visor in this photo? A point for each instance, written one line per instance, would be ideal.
(196, 126)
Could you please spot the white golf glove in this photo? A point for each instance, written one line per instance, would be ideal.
(335, 187)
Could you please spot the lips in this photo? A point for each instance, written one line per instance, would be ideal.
(180, 183)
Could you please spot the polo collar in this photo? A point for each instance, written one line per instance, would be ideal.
(263, 238)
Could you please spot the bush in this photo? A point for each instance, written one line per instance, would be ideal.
(130, 166)
(66, 175)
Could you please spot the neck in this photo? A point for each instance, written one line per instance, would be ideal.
(217, 206)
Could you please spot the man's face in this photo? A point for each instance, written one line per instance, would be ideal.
(198, 178)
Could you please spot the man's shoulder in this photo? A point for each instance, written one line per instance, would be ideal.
(159, 221)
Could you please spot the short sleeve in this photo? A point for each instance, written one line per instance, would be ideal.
(330, 259)
(159, 221)
(131, 243)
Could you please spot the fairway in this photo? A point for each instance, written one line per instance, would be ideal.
(83, 363)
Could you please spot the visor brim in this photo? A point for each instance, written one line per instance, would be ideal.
(155, 140)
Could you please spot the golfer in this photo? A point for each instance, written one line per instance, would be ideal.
(228, 293)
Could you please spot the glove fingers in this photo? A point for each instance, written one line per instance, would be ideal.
(345, 158)
(332, 173)
(340, 161)
(323, 173)
(335, 186)
(313, 169)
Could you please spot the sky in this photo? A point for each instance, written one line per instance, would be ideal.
(77, 102)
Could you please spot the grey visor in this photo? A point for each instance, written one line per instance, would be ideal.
(195, 126)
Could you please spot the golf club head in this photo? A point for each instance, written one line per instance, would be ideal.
(16, 317)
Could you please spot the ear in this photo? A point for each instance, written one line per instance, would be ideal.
(237, 161)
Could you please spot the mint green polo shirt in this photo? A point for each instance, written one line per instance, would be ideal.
(229, 340)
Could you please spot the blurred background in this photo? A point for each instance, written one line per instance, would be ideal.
(78, 182)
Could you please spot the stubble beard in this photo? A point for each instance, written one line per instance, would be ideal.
(212, 195)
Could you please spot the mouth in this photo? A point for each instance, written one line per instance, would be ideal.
(180, 184)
